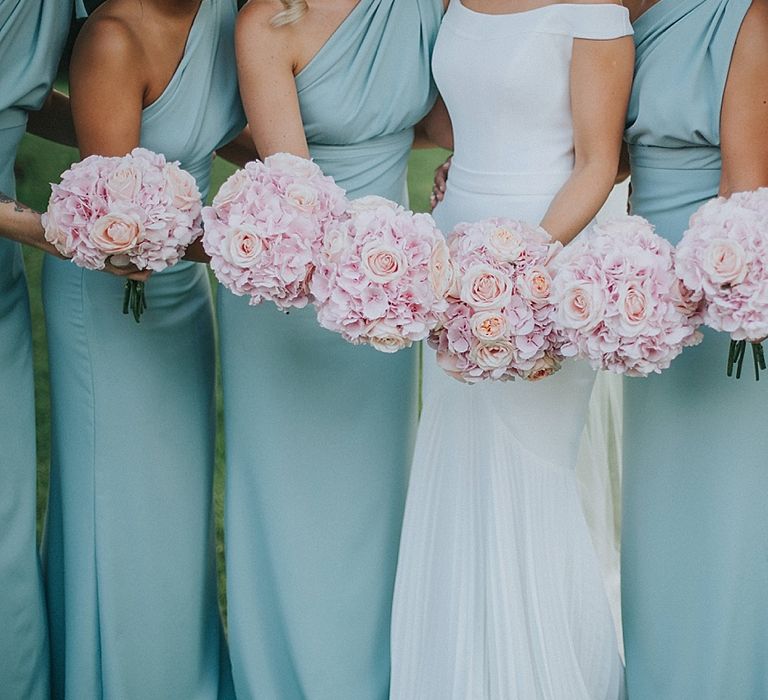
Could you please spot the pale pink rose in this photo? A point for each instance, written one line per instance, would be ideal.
(485, 288)
(383, 263)
(581, 307)
(302, 196)
(725, 261)
(117, 232)
(123, 184)
(441, 271)
(335, 242)
(292, 166)
(506, 244)
(372, 202)
(633, 308)
(233, 189)
(489, 325)
(244, 247)
(493, 355)
(186, 196)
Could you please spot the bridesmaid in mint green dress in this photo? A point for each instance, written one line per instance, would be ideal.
(128, 551)
(695, 543)
(318, 432)
(32, 36)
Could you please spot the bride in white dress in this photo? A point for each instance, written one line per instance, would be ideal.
(499, 593)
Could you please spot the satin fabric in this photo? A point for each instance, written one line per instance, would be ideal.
(129, 550)
(32, 35)
(695, 552)
(318, 432)
(499, 594)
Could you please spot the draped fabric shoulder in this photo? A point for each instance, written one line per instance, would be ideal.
(365, 89)
(695, 626)
(203, 78)
(32, 37)
(696, 38)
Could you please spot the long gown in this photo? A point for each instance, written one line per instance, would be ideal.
(32, 36)
(695, 542)
(499, 594)
(128, 549)
(319, 433)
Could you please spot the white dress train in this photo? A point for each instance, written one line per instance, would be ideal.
(499, 592)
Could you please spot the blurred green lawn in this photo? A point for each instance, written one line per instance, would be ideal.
(39, 163)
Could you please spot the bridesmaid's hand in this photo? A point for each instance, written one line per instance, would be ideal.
(441, 180)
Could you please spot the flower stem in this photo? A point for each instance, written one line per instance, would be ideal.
(134, 299)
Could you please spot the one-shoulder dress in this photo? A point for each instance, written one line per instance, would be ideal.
(695, 541)
(128, 548)
(319, 433)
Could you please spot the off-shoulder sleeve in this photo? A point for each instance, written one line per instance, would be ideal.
(588, 21)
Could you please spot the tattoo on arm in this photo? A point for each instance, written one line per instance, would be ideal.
(17, 206)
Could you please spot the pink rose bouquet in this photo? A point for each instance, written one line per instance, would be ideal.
(138, 209)
(382, 275)
(619, 304)
(499, 323)
(266, 226)
(723, 261)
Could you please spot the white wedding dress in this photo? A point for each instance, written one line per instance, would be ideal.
(499, 592)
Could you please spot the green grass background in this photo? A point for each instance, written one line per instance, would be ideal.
(40, 162)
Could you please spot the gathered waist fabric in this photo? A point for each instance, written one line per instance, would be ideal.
(536, 184)
(376, 166)
(682, 158)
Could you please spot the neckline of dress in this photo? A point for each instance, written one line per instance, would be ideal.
(461, 4)
(182, 61)
(330, 40)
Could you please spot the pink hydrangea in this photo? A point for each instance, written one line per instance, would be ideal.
(619, 304)
(381, 275)
(499, 323)
(722, 260)
(266, 226)
(136, 209)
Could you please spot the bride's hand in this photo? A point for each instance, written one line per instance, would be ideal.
(441, 180)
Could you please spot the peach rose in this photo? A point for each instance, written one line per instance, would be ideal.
(385, 338)
(507, 245)
(545, 367)
(537, 284)
(302, 196)
(633, 310)
(491, 356)
(117, 232)
(441, 271)
(488, 326)
(382, 263)
(485, 288)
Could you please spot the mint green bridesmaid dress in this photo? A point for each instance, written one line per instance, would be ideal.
(319, 433)
(32, 36)
(695, 543)
(128, 549)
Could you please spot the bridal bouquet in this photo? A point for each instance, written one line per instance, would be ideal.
(619, 303)
(723, 261)
(499, 323)
(266, 226)
(138, 209)
(381, 275)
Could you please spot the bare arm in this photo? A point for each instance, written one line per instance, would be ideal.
(265, 66)
(744, 117)
(599, 109)
(107, 88)
(22, 224)
(435, 129)
(240, 150)
(54, 120)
